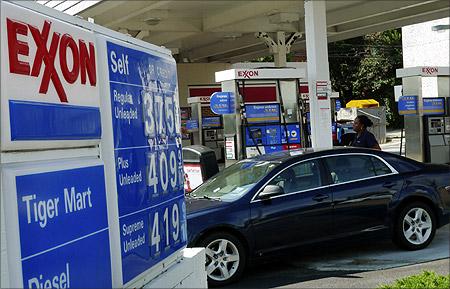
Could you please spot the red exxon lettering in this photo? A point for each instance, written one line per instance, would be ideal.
(248, 73)
(17, 47)
(87, 62)
(430, 70)
(83, 60)
(67, 42)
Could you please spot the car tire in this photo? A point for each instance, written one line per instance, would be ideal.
(415, 226)
(225, 258)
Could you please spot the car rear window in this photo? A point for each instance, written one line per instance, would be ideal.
(346, 168)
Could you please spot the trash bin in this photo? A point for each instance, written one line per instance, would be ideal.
(200, 164)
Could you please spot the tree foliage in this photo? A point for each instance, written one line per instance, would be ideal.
(364, 67)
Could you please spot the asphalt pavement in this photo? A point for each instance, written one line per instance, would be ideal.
(364, 262)
(394, 142)
(373, 279)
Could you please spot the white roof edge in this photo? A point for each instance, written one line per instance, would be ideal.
(256, 65)
(257, 74)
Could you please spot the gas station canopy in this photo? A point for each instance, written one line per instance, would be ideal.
(224, 31)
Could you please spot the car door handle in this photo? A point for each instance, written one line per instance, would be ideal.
(320, 197)
(389, 184)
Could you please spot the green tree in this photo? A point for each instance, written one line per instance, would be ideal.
(364, 67)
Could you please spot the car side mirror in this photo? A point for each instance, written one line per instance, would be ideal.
(271, 191)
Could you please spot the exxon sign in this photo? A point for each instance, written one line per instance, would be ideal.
(49, 81)
(248, 73)
(81, 58)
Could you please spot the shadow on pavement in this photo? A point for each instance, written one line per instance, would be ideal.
(339, 258)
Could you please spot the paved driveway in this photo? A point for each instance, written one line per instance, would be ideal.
(342, 264)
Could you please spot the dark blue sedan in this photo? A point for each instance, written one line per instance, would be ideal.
(282, 200)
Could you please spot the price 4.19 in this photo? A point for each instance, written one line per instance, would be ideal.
(165, 228)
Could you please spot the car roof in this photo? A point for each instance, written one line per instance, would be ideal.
(306, 153)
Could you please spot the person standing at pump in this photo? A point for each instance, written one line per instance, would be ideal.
(364, 138)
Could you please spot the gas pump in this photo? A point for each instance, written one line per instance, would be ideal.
(437, 130)
(426, 113)
(259, 128)
(209, 129)
(437, 139)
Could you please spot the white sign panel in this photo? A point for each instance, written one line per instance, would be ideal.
(49, 90)
(423, 71)
(253, 151)
(230, 148)
(192, 177)
(323, 89)
(284, 73)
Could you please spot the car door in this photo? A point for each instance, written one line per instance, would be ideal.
(363, 186)
(302, 213)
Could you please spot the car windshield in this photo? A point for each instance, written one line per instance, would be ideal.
(234, 181)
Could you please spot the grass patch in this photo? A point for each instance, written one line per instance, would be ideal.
(427, 279)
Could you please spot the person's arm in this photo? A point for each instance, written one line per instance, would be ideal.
(372, 142)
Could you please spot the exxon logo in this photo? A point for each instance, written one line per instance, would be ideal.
(430, 70)
(248, 73)
(83, 58)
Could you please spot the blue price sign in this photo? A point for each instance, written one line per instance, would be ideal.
(149, 166)
(60, 213)
(433, 106)
(407, 105)
(223, 103)
(262, 113)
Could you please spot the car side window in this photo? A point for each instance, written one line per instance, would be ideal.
(380, 167)
(300, 177)
(347, 168)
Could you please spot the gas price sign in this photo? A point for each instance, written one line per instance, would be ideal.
(149, 168)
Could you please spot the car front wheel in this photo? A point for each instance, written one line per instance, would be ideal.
(415, 227)
(225, 258)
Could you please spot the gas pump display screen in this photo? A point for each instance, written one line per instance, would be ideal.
(262, 113)
(211, 122)
(436, 125)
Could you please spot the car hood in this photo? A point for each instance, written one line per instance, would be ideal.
(194, 205)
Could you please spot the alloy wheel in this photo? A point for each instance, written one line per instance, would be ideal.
(417, 226)
(222, 259)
